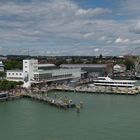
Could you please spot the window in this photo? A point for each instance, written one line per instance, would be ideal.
(9, 73)
(13, 74)
(16, 73)
(20, 73)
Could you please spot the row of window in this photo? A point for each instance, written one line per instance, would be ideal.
(14, 73)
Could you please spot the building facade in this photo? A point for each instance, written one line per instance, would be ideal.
(1, 67)
(33, 73)
(92, 70)
(14, 75)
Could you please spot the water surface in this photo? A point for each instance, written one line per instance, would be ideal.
(104, 117)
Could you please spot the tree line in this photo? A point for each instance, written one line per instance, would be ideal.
(7, 85)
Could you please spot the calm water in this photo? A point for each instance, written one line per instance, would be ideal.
(104, 117)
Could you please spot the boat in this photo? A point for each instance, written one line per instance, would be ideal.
(107, 81)
(3, 96)
(137, 76)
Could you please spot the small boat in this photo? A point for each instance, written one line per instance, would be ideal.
(3, 96)
(137, 76)
(107, 81)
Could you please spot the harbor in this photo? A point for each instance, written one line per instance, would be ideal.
(74, 99)
(103, 116)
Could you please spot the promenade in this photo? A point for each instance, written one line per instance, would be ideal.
(100, 90)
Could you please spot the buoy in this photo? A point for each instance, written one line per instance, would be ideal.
(81, 104)
(78, 108)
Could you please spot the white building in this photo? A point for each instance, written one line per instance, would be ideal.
(31, 73)
(119, 68)
(29, 67)
(14, 75)
(1, 67)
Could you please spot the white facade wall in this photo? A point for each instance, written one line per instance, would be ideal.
(14, 75)
(1, 67)
(29, 67)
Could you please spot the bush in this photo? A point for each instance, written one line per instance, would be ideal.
(7, 85)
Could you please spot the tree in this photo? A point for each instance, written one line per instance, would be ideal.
(129, 64)
(13, 64)
(7, 85)
(2, 75)
(100, 56)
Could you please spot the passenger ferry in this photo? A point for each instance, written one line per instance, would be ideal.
(3, 96)
(107, 81)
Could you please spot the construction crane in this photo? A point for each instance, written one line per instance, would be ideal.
(137, 62)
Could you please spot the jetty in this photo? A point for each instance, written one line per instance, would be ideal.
(57, 102)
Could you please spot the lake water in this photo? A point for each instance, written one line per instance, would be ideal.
(104, 117)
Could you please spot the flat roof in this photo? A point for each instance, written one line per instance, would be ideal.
(57, 71)
(84, 65)
(14, 71)
(46, 65)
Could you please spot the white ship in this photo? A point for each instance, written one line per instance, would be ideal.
(107, 81)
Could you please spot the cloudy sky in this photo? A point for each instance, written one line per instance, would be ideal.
(69, 27)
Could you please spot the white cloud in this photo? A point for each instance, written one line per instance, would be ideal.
(92, 12)
(137, 28)
(96, 50)
(56, 25)
(102, 38)
(121, 40)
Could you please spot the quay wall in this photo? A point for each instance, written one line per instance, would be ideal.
(88, 90)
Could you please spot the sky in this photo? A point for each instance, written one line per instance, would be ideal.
(69, 27)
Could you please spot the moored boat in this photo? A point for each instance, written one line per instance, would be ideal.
(107, 81)
(3, 96)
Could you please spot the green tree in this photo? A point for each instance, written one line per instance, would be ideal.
(129, 64)
(13, 64)
(7, 85)
(2, 74)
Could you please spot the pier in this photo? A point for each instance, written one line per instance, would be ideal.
(60, 103)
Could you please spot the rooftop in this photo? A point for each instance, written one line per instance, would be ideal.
(58, 71)
(83, 65)
(14, 71)
(46, 65)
